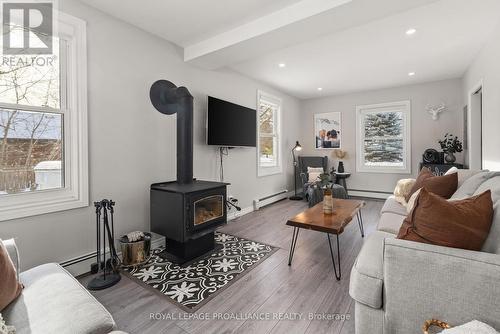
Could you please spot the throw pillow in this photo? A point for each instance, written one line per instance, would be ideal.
(462, 174)
(10, 288)
(314, 173)
(411, 202)
(444, 186)
(424, 174)
(403, 188)
(459, 224)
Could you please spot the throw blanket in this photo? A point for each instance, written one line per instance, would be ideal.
(473, 327)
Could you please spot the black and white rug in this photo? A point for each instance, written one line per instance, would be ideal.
(193, 285)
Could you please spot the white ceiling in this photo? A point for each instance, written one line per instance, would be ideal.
(185, 22)
(379, 54)
(339, 45)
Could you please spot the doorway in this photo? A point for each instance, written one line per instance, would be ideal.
(475, 128)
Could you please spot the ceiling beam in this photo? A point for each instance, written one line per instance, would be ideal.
(294, 13)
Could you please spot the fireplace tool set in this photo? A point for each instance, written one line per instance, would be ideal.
(108, 269)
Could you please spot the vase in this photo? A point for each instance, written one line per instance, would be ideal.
(340, 169)
(450, 158)
(327, 202)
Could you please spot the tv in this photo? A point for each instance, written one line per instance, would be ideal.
(230, 125)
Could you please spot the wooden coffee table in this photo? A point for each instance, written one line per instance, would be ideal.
(313, 218)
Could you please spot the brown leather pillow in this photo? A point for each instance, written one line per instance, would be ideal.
(444, 186)
(10, 288)
(459, 224)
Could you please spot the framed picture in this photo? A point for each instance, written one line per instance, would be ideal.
(327, 130)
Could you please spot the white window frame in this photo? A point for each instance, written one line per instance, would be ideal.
(269, 170)
(75, 193)
(401, 106)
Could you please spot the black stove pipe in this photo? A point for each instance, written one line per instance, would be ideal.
(169, 99)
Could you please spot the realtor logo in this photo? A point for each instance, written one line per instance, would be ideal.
(27, 27)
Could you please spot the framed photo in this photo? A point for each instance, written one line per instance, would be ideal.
(327, 130)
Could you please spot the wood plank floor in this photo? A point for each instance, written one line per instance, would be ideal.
(308, 286)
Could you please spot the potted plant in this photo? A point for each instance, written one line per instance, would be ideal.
(326, 185)
(450, 145)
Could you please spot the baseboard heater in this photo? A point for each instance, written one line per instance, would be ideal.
(369, 193)
(261, 202)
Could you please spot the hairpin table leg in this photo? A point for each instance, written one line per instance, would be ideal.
(360, 223)
(339, 275)
(293, 244)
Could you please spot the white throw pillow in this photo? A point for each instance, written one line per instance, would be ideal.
(411, 202)
(403, 188)
(314, 173)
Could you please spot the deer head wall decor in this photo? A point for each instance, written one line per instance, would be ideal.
(436, 110)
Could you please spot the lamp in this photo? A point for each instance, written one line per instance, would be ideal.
(297, 147)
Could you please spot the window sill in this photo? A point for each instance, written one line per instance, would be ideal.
(43, 202)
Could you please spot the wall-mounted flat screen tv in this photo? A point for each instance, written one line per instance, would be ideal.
(230, 125)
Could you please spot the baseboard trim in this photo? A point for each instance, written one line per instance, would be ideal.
(238, 214)
(80, 265)
(369, 193)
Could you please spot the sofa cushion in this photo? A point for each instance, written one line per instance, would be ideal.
(463, 174)
(54, 302)
(10, 288)
(367, 274)
(460, 224)
(471, 185)
(444, 186)
(393, 206)
(390, 222)
(424, 174)
(492, 244)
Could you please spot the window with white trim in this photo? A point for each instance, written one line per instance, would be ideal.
(269, 136)
(43, 126)
(383, 138)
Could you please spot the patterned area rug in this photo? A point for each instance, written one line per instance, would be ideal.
(190, 286)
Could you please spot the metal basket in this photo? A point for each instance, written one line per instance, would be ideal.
(137, 252)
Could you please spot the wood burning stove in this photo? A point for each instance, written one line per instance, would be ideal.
(186, 211)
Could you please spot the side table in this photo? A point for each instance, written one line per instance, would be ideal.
(340, 179)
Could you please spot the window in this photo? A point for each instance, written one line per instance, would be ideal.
(383, 138)
(43, 126)
(269, 141)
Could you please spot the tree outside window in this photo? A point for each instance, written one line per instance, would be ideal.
(269, 108)
(31, 125)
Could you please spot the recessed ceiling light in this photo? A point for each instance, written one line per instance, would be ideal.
(411, 31)
(282, 65)
(411, 74)
(320, 89)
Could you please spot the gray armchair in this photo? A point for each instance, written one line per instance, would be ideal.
(305, 162)
(312, 194)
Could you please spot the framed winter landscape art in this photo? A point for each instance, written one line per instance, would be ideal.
(327, 130)
(383, 138)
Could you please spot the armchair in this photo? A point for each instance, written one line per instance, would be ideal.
(311, 193)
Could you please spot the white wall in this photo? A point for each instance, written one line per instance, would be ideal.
(424, 131)
(486, 67)
(131, 145)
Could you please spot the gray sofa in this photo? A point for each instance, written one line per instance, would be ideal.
(53, 301)
(397, 285)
